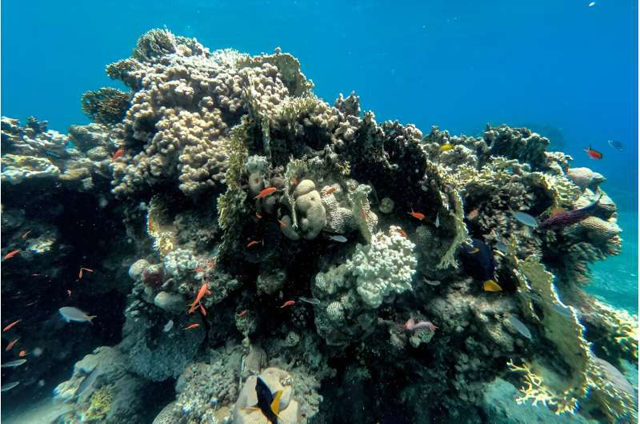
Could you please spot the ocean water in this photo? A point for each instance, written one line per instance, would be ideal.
(568, 70)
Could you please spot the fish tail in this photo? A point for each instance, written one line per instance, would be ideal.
(91, 317)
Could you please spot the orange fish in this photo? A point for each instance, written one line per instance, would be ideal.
(288, 303)
(258, 215)
(11, 254)
(282, 223)
(24, 236)
(198, 270)
(204, 289)
(266, 192)
(22, 353)
(473, 214)
(194, 325)
(117, 154)
(10, 326)
(593, 154)
(253, 243)
(294, 181)
(83, 269)
(243, 313)
(202, 310)
(403, 233)
(331, 190)
(416, 215)
(11, 345)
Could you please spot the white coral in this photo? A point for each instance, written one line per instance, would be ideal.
(383, 267)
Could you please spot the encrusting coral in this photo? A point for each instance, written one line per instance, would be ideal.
(271, 233)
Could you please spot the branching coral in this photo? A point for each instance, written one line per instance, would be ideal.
(105, 106)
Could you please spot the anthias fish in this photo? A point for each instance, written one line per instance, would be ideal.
(593, 154)
(267, 402)
(564, 219)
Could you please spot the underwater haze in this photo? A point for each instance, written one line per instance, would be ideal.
(195, 230)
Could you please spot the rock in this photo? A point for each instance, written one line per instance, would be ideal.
(137, 268)
(170, 302)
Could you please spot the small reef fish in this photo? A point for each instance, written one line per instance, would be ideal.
(194, 325)
(616, 145)
(88, 380)
(22, 353)
(69, 313)
(403, 233)
(9, 386)
(339, 239)
(478, 261)
(10, 326)
(24, 236)
(52, 154)
(593, 154)
(294, 181)
(81, 273)
(473, 214)
(117, 154)
(204, 289)
(593, 3)
(524, 218)
(11, 345)
(416, 215)
(565, 219)
(11, 254)
(282, 223)
(431, 282)
(518, 325)
(268, 403)
(69, 292)
(243, 313)
(258, 215)
(502, 246)
(491, 286)
(253, 243)
(202, 310)
(330, 190)
(288, 303)
(13, 364)
(310, 301)
(266, 192)
(412, 325)
(437, 223)
(168, 326)
(446, 147)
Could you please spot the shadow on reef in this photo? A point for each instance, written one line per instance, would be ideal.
(252, 242)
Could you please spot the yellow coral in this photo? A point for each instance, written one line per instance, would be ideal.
(99, 403)
(162, 231)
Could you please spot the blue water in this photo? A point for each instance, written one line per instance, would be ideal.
(457, 65)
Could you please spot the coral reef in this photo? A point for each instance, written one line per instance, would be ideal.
(249, 228)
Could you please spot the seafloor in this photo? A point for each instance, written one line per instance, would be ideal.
(224, 223)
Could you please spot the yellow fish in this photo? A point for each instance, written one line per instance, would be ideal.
(446, 147)
(491, 286)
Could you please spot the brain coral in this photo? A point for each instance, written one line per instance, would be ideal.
(383, 267)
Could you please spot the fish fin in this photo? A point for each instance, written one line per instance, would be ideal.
(275, 405)
(91, 317)
(491, 286)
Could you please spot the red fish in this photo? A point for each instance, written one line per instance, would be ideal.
(11, 254)
(288, 303)
(416, 215)
(330, 190)
(194, 325)
(253, 243)
(403, 233)
(10, 326)
(117, 154)
(81, 272)
(282, 223)
(204, 289)
(202, 310)
(294, 181)
(266, 192)
(11, 345)
(593, 154)
(243, 313)
(22, 353)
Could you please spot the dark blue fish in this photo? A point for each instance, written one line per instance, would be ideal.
(267, 402)
(564, 219)
(478, 260)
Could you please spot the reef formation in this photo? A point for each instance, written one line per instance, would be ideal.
(236, 226)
